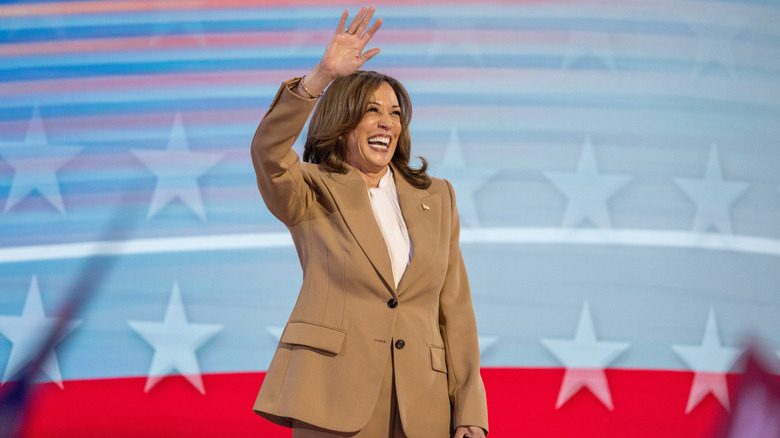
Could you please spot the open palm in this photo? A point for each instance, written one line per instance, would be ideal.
(344, 53)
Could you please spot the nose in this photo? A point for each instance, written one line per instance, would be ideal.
(385, 121)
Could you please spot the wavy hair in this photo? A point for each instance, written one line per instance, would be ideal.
(340, 110)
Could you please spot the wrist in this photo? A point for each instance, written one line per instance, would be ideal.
(316, 81)
(304, 91)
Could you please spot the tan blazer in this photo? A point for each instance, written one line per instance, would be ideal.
(329, 365)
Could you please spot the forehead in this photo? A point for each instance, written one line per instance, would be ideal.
(384, 94)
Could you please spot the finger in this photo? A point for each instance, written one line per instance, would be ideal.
(372, 30)
(356, 21)
(342, 22)
(368, 54)
(364, 22)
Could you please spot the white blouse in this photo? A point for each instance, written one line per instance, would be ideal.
(387, 212)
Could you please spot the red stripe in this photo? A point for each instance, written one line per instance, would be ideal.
(648, 404)
(152, 43)
(235, 78)
(130, 82)
(293, 38)
(96, 7)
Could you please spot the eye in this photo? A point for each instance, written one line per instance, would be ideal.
(372, 109)
(396, 113)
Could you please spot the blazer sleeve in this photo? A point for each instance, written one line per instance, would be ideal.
(278, 168)
(459, 331)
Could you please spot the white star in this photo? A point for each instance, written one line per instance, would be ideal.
(716, 35)
(710, 362)
(461, 43)
(177, 170)
(174, 341)
(712, 195)
(587, 190)
(166, 24)
(485, 342)
(35, 163)
(584, 46)
(27, 332)
(465, 180)
(715, 50)
(276, 332)
(585, 358)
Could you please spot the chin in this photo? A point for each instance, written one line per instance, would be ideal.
(382, 163)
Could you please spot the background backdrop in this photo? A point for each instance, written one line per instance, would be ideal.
(616, 164)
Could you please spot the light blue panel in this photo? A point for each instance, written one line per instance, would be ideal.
(620, 159)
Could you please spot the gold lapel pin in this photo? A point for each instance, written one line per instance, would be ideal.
(425, 207)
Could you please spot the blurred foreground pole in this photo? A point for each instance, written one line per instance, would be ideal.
(756, 412)
(14, 397)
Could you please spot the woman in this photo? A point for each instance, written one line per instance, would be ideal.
(382, 340)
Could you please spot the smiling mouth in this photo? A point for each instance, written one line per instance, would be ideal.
(379, 143)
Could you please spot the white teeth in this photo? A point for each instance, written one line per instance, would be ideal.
(379, 139)
(379, 142)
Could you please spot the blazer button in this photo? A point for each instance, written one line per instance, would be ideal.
(392, 303)
(399, 344)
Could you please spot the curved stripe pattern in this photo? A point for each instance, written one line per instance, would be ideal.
(615, 165)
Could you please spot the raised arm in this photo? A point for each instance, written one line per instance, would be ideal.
(278, 168)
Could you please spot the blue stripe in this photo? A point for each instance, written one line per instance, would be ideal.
(387, 60)
(20, 32)
(701, 105)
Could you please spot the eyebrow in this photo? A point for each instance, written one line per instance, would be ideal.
(377, 103)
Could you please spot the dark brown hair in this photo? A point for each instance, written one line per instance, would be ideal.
(340, 110)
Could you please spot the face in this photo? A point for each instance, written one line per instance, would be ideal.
(371, 145)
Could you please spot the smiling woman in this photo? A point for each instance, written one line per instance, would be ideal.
(371, 145)
(364, 103)
(382, 340)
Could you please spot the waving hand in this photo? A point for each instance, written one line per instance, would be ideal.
(345, 51)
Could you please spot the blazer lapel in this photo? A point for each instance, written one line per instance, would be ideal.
(351, 197)
(422, 214)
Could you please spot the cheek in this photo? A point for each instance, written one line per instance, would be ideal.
(352, 143)
(397, 139)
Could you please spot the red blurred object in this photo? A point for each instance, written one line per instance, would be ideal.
(756, 411)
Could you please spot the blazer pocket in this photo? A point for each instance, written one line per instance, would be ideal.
(313, 335)
(438, 359)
